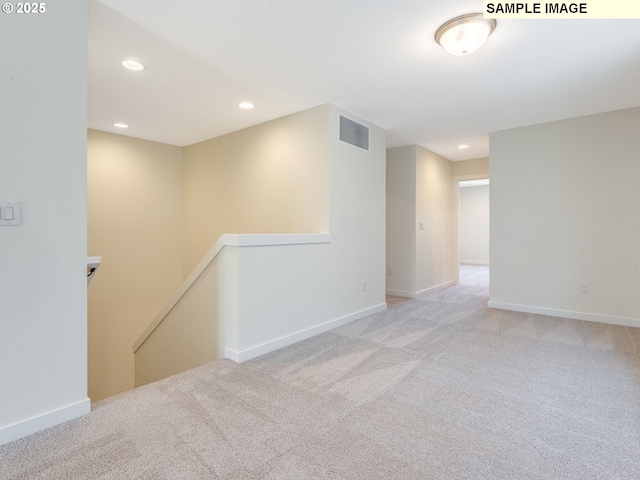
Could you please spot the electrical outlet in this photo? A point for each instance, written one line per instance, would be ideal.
(584, 288)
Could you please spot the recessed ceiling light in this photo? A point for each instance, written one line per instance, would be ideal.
(246, 105)
(133, 65)
(462, 147)
(121, 125)
(465, 34)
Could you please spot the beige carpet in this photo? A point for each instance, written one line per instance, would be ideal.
(438, 387)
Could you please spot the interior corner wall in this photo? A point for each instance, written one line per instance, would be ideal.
(357, 218)
(474, 225)
(564, 209)
(43, 125)
(329, 284)
(269, 178)
(401, 220)
(434, 217)
(135, 224)
(290, 292)
(419, 221)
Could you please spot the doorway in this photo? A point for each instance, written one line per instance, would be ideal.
(471, 223)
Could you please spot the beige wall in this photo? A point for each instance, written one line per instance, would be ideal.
(471, 167)
(321, 278)
(434, 209)
(419, 220)
(191, 334)
(149, 201)
(401, 219)
(135, 224)
(270, 178)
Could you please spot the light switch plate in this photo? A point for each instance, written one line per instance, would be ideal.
(9, 213)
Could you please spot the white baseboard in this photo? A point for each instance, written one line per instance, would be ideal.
(46, 420)
(442, 286)
(401, 293)
(553, 312)
(253, 352)
(474, 262)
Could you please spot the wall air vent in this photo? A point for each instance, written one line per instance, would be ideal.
(353, 133)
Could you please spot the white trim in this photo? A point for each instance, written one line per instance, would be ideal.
(267, 347)
(229, 240)
(232, 354)
(553, 312)
(265, 240)
(436, 288)
(472, 262)
(401, 293)
(93, 261)
(46, 420)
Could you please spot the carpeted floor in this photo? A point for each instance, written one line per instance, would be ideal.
(439, 387)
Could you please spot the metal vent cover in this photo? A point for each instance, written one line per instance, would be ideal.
(353, 133)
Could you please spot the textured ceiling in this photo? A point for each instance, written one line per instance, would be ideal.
(376, 59)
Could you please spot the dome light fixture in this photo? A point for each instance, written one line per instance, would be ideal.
(120, 125)
(462, 147)
(246, 105)
(465, 34)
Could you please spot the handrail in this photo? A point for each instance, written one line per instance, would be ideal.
(228, 240)
(92, 265)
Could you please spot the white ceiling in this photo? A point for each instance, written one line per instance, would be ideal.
(376, 59)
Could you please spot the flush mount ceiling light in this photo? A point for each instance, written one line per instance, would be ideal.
(465, 34)
(246, 105)
(121, 125)
(462, 147)
(133, 65)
